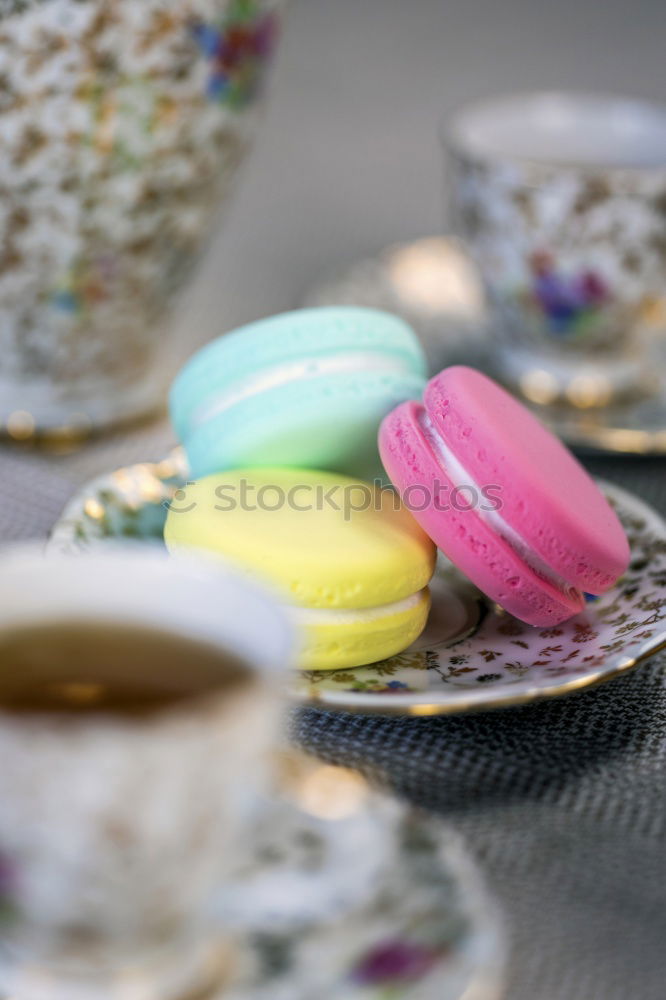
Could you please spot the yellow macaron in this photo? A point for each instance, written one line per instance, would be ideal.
(348, 558)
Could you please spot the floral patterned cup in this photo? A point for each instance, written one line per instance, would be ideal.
(117, 828)
(561, 199)
(122, 123)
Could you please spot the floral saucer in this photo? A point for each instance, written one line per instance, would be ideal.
(345, 895)
(472, 654)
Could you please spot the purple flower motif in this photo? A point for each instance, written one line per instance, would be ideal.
(265, 36)
(396, 686)
(593, 288)
(394, 962)
(565, 301)
(556, 299)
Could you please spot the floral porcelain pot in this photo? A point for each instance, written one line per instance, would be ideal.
(561, 199)
(122, 125)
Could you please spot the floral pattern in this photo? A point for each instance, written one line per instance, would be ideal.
(572, 259)
(123, 124)
(420, 927)
(370, 903)
(568, 304)
(237, 51)
(394, 962)
(479, 656)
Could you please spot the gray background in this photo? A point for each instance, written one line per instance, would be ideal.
(563, 803)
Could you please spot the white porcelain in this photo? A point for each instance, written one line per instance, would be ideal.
(339, 893)
(117, 831)
(122, 125)
(343, 894)
(561, 199)
(586, 129)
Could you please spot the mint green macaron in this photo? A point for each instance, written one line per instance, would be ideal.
(305, 389)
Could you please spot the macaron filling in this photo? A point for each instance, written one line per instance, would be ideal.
(459, 476)
(355, 616)
(296, 371)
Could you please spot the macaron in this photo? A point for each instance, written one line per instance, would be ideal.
(347, 558)
(503, 498)
(303, 389)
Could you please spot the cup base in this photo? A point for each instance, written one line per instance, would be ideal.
(39, 412)
(573, 381)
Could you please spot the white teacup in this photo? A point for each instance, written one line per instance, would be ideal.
(561, 200)
(119, 818)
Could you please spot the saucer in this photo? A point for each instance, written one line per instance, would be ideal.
(337, 892)
(431, 284)
(344, 894)
(472, 655)
(635, 428)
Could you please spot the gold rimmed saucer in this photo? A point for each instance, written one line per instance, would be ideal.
(472, 654)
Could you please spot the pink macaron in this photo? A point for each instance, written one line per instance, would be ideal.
(503, 497)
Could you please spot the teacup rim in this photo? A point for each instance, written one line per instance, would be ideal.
(267, 648)
(457, 145)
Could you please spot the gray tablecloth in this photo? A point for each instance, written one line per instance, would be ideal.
(563, 803)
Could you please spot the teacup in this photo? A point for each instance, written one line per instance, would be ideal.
(134, 735)
(561, 200)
